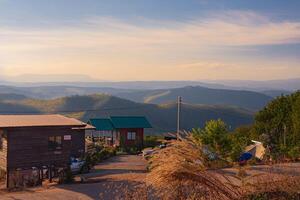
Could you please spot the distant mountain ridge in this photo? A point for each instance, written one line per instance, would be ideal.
(162, 117)
(86, 81)
(201, 95)
(190, 94)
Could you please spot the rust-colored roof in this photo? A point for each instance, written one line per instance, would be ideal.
(11, 121)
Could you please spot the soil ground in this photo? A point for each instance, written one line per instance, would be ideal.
(109, 180)
(106, 181)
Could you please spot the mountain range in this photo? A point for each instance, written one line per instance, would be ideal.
(156, 101)
(191, 94)
(86, 81)
(162, 117)
(200, 95)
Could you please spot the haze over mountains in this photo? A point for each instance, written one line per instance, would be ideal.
(162, 117)
(192, 94)
(87, 81)
(201, 95)
(154, 99)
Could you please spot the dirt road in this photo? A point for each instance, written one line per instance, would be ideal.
(108, 181)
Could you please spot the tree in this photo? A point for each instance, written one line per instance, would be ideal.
(215, 136)
(278, 125)
(240, 138)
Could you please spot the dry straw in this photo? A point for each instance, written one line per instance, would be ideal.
(179, 172)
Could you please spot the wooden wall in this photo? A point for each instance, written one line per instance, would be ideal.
(138, 142)
(28, 147)
(78, 143)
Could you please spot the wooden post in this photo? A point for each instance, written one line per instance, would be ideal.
(112, 138)
(7, 178)
(50, 174)
(178, 115)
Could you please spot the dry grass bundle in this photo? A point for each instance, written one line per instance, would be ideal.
(179, 172)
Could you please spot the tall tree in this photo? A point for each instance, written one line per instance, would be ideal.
(278, 124)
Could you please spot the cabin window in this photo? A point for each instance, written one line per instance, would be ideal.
(55, 142)
(131, 135)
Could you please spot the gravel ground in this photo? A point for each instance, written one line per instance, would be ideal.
(109, 179)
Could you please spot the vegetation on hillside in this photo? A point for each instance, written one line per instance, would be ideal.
(193, 95)
(201, 95)
(182, 171)
(216, 137)
(163, 118)
(278, 126)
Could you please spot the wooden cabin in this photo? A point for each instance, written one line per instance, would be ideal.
(35, 144)
(104, 129)
(126, 131)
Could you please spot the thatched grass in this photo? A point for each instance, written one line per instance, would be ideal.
(179, 172)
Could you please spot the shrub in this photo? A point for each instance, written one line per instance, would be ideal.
(152, 141)
(66, 176)
(97, 154)
(294, 153)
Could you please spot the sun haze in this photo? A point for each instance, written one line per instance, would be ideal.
(151, 40)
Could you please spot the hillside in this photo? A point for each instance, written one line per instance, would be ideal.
(200, 95)
(276, 93)
(50, 92)
(191, 94)
(162, 117)
(11, 96)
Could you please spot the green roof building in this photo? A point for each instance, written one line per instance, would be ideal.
(124, 131)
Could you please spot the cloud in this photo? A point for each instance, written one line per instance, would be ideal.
(232, 28)
(101, 44)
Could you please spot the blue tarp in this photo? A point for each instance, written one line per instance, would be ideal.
(245, 156)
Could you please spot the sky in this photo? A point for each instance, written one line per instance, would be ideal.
(129, 40)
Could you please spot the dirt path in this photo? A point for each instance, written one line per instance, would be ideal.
(109, 178)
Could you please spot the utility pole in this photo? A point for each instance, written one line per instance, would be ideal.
(178, 115)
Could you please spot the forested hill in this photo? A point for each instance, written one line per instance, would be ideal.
(191, 94)
(201, 95)
(162, 117)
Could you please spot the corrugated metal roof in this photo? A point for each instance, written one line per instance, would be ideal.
(102, 124)
(130, 122)
(10, 121)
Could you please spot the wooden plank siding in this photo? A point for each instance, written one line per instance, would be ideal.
(28, 147)
(138, 142)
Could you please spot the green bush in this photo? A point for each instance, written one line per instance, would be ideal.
(294, 153)
(152, 141)
(97, 154)
(66, 176)
(133, 150)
